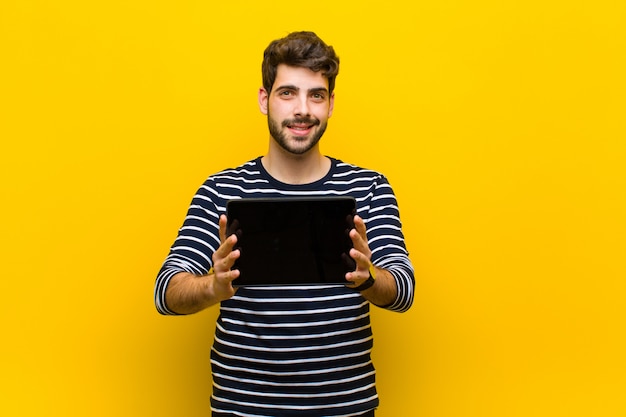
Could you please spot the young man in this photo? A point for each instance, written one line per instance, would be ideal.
(291, 350)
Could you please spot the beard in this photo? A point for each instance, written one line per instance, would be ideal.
(296, 145)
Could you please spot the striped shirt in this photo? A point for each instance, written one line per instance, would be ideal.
(292, 350)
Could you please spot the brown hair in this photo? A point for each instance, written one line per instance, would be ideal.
(300, 49)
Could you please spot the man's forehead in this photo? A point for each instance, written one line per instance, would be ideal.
(300, 77)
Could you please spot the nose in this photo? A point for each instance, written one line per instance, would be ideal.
(302, 106)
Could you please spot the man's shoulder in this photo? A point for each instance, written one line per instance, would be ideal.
(249, 167)
(240, 177)
(347, 168)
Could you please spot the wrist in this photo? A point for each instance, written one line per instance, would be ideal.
(369, 282)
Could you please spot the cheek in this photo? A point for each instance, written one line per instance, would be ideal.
(323, 111)
(276, 110)
(324, 114)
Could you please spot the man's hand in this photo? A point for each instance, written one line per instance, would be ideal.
(223, 260)
(187, 293)
(360, 252)
(384, 290)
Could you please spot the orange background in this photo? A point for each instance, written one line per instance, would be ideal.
(500, 125)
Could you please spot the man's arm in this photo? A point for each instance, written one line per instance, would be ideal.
(187, 293)
(384, 291)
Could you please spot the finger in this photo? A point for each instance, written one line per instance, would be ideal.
(224, 257)
(230, 259)
(360, 243)
(223, 284)
(233, 274)
(222, 222)
(359, 225)
(227, 246)
(362, 261)
(361, 271)
(227, 277)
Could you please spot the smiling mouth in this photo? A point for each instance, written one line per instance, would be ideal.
(300, 125)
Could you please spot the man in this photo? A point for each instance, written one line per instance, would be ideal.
(291, 350)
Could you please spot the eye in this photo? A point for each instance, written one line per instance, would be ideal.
(318, 96)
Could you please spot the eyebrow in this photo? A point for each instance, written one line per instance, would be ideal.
(293, 87)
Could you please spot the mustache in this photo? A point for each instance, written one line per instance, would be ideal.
(301, 120)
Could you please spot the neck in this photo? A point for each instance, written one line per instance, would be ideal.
(296, 169)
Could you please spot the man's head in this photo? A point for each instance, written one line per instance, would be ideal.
(300, 49)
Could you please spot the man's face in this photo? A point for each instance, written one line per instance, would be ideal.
(297, 108)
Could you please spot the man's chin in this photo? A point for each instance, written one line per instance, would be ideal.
(298, 145)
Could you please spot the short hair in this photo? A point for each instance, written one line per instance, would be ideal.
(300, 49)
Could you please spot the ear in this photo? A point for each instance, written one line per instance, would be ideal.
(263, 100)
(331, 104)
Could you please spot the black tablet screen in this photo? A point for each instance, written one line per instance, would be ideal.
(287, 241)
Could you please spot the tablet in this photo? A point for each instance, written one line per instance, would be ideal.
(292, 241)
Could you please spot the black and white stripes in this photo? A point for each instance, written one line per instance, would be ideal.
(292, 350)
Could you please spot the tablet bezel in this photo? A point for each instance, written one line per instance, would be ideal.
(292, 240)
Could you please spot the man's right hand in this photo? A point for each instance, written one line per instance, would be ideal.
(223, 260)
(187, 293)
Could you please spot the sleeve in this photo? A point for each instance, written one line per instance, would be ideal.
(386, 241)
(192, 251)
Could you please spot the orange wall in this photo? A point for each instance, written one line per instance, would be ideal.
(500, 125)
